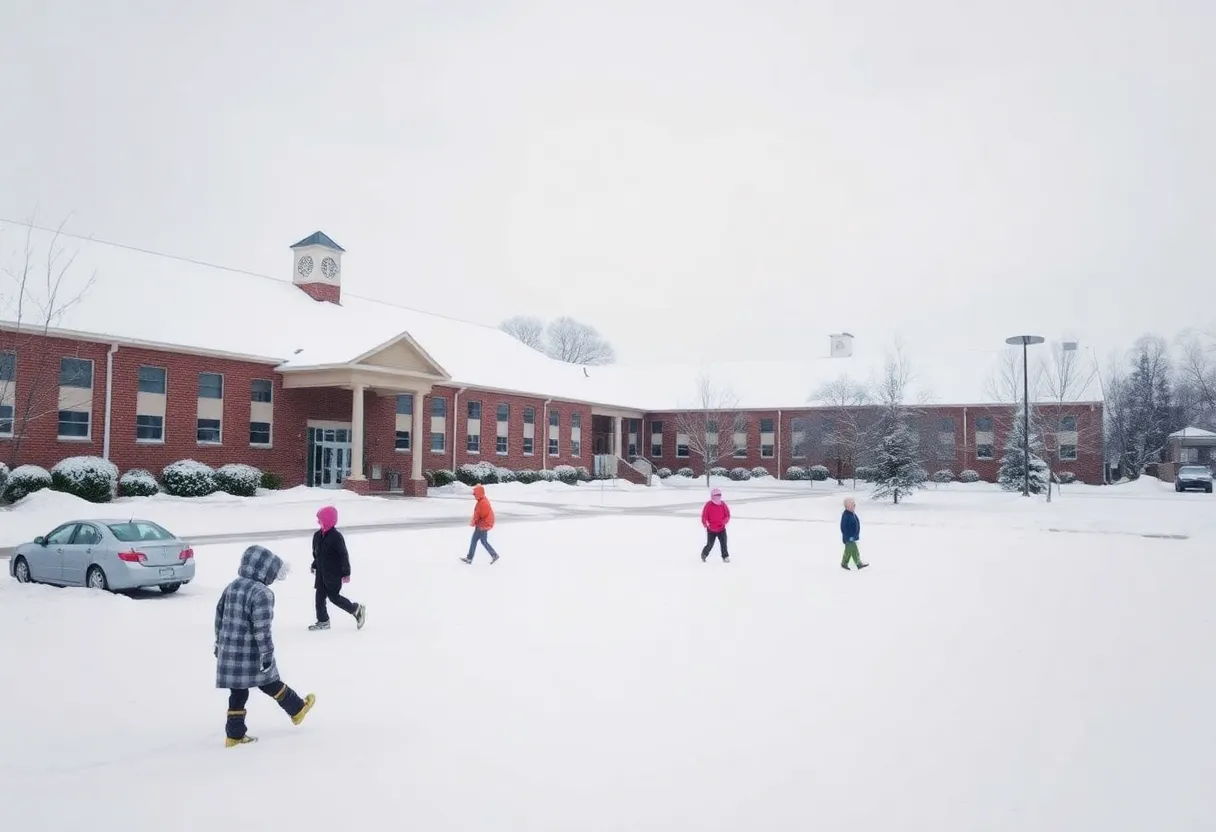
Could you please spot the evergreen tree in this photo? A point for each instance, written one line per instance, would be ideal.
(897, 468)
(1012, 474)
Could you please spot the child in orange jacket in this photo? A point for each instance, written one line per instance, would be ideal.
(482, 522)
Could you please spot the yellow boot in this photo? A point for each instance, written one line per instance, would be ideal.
(309, 701)
(229, 742)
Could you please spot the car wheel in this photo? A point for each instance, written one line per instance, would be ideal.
(21, 571)
(169, 589)
(96, 579)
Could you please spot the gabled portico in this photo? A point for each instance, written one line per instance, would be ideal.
(395, 368)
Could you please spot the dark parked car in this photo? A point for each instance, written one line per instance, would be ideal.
(1193, 477)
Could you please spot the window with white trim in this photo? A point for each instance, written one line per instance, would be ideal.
(555, 427)
(656, 439)
(529, 430)
(502, 435)
(576, 434)
(985, 438)
(439, 424)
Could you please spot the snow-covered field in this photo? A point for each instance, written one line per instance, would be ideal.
(983, 674)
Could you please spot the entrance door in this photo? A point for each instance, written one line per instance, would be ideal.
(328, 457)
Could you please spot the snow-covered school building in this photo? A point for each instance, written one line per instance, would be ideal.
(160, 359)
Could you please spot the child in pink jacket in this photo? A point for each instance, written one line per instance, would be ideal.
(714, 518)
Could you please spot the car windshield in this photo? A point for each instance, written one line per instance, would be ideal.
(1191, 470)
(138, 530)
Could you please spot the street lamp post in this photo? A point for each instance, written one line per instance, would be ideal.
(1025, 341)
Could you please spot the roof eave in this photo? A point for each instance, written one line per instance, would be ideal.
(159, 346)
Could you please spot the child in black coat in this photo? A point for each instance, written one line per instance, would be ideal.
(331, 563)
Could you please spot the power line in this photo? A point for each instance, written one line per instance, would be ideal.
(233, 269)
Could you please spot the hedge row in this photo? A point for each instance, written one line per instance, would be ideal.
(96, 480)
(485, 473)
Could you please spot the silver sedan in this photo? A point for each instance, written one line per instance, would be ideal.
(106, 554)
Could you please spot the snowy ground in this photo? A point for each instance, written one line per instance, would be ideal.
(984, 674)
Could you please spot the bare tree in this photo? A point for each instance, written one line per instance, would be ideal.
(526, 329)
(711, 424)
(1063, 379)
(892, 387)
(846, 405)
(577, 343)
(1197, 376)
(33, 300)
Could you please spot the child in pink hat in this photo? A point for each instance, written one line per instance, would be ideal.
(714, 518)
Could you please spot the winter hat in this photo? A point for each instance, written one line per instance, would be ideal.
(327, 517)
(716, 495)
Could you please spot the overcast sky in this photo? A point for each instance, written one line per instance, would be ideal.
(699, 180)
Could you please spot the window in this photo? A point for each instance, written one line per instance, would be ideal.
(576, 434)
(656, 439)
(437, 442)
(947, 448)
(473, 443)
(635, 427)
(1068, 424)
(766, 425)
(439, 426)
(138, 530)
(1068, 453)
(86, 535)
(740, 444)
(501, 439)
(62, 536)
(149, 428)
(767, 438)
(259, 433)
(76, 372)
(439, 408)
(800, 428)
(210, 386)
(682, 445)
(474, 409)
(404, 421)
(261, 390)
(8, 366)
(152, 380)
(529, 430)
(6, 420)
(209, 431)
(555, 422)
(73, 424)
(985, 440)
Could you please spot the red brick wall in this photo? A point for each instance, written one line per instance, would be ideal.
(1087, 467)
(38, 369)
(322, 292)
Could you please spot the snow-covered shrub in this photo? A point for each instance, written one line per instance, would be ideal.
(943, 476)
(546, 475)
(477, 473)
(527, 476)
(271, 481)
(760, 471)
(87, 477)
(238, 479)
(865, 473)
(718, 471)
(567, 474)
(819, 473)
(505, 474)
(1067, 477)
(3, 476)
(740, 474)
(188, 478)
(137, 483)
(797, 472)
(685, 472)
(583, 474)
(968, 476)
(440, 478)
(25, 480)
(662, 473)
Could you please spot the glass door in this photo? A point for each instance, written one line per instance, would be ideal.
(329, 457)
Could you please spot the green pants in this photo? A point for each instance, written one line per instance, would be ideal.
(850, 551)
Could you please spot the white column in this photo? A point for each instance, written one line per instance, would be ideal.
(416, 439)
(356, 435)
(617, 447)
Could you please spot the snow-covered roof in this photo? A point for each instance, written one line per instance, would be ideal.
(1193, 433)
(154, 300)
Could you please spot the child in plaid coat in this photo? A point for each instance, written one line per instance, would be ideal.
(244, 649)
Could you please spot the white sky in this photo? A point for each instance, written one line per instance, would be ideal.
(699, 180)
